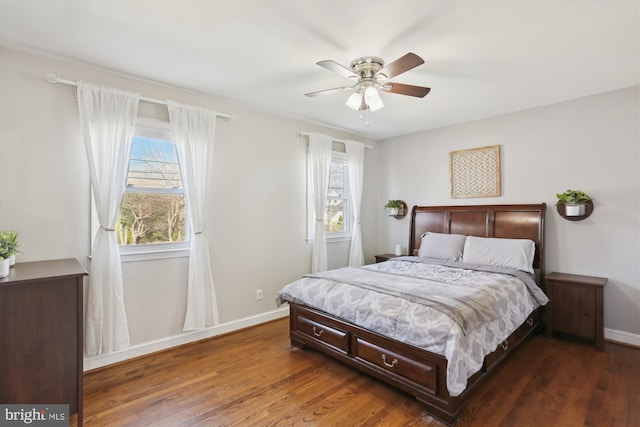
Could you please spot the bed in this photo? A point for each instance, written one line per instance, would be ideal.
(435, 323)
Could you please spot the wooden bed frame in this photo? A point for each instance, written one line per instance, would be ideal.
(413, 370)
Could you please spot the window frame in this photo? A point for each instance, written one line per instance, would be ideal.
(331, 237)
(156, 129)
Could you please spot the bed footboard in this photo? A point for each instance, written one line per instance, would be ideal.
(420, 373)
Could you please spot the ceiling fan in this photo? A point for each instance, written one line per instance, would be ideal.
(370, 72)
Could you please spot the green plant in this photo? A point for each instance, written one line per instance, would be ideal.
(572, 197)
(394, 204)
(9, 244)
(4, 250)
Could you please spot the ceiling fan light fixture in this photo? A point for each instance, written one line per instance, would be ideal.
(354, 101)
(372, 98)
(378, 105)
(369, 72)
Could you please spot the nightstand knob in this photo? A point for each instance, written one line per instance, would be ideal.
(586, 312)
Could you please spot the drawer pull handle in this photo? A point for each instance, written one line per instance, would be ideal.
(586, 313)
(504, 345)
(530, 321)
(317, 332)
(393, 363)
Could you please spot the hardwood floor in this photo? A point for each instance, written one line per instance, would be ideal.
(255, 378)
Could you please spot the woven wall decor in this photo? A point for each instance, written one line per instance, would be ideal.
(475, 172)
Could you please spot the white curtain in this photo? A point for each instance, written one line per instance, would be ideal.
(355, 152)
(320, 164)
(194, 132)
(107, 117)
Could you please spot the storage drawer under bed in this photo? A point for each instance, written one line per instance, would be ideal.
(319, 330)
(395, 363)
(518, 335)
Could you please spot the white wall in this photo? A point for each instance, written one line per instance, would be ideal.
(591, 144)
(257, 218)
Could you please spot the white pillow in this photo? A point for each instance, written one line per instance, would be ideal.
(442, 246)
(508, 253)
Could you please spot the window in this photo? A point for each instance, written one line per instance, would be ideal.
(153, 213)
(337, 215)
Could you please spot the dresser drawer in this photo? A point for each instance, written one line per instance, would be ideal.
(323, 333)
(395, 363)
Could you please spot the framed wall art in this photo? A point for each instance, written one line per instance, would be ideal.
(475, 172)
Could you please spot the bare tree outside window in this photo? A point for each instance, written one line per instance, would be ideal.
(153, 207)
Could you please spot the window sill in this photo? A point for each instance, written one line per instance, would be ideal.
(334, 239)
(152, 255)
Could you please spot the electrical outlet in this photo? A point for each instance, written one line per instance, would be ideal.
(258, 294)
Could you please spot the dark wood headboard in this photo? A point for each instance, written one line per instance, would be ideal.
(502, 221)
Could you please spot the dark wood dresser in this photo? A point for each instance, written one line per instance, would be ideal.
(41, 334)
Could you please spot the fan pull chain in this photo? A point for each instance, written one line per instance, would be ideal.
(362, 117)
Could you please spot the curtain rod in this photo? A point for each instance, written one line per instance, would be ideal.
(51, 78)
(305, 133)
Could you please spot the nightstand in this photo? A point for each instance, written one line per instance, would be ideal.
(576, 306)
(385, 257)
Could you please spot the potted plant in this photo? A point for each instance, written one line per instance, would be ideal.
(5, 255)
(573, 201)
(8, 249)
(396, 207)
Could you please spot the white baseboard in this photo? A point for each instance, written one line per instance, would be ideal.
(622, 337)
(100, 360)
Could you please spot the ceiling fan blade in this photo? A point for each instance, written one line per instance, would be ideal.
(402, 89)
(402, 64)
(329, 91)
(337, 68)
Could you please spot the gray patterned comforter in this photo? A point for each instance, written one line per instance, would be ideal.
(460, 311)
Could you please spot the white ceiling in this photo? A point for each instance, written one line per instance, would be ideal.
(482, 58)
